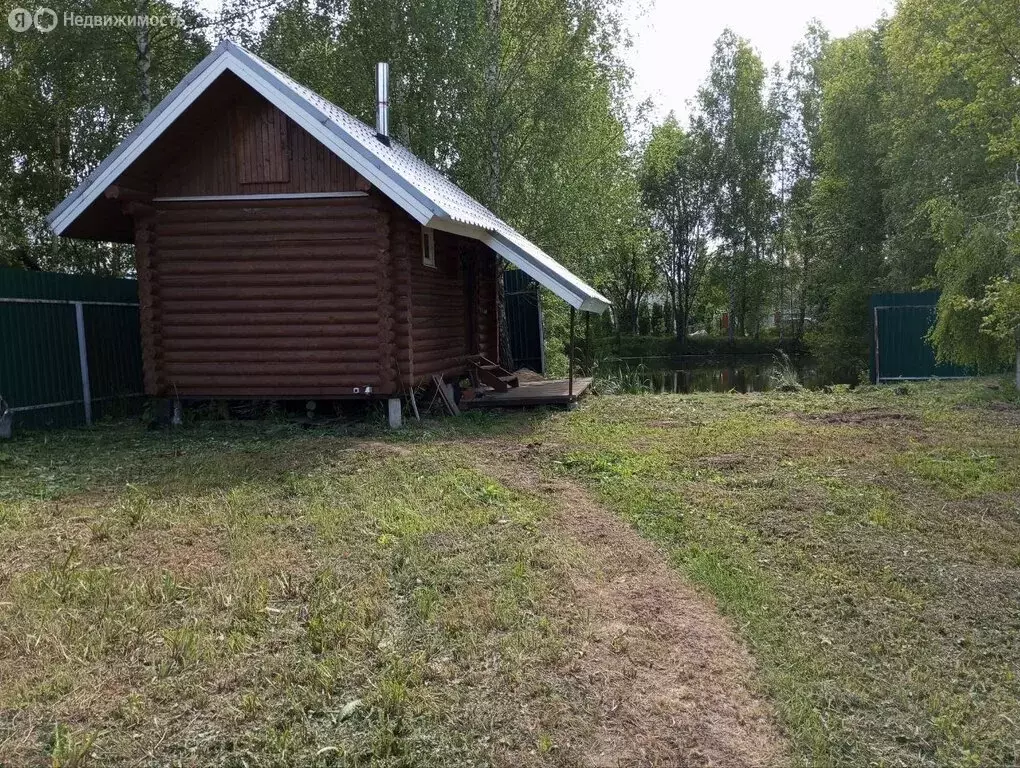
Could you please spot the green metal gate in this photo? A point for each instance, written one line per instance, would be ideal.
(900, 347)
(524, 320)
(70, 349)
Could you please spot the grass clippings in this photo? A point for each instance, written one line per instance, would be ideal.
(824, 579)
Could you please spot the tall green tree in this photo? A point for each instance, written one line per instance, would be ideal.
(676, 188)
(848, 200)
(801, 142)
(952, 154)
(733, 111)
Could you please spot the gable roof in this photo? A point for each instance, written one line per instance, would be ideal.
(422, 191)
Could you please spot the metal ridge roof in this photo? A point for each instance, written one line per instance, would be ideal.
(421, 190)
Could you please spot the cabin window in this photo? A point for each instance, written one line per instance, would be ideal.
(428, 247)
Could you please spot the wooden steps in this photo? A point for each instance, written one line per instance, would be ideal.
(492, 375)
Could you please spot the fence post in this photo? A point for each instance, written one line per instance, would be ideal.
(83, 362)
(878, 374)
(1016, 333)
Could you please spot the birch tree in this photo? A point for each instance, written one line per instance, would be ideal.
(676, 187)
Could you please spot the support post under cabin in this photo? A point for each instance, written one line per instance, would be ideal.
(393, 412)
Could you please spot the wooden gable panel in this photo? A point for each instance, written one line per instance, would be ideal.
(234, 142)
(260, 141)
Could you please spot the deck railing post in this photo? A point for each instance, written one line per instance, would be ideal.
(587, 335)
(83, 361)
(570, 385)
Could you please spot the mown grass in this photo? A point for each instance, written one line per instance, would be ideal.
(241, 596)
(254, 594)
(866, 543)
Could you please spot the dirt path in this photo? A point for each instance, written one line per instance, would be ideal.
(673, 678)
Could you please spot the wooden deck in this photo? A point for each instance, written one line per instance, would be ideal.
(541, 392)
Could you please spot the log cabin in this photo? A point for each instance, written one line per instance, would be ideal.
(285, 249)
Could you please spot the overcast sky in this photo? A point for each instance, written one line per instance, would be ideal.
(673, 39)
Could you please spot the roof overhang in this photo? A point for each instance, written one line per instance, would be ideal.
(534, 263)
(367, 161)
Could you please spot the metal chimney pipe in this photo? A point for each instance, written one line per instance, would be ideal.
(382, 114)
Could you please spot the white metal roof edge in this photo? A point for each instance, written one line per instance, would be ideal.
(186, 91)
(230, 56)
(587, 299)
(273, 86)
(536, 264)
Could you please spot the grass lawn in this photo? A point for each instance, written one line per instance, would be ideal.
(470, 591)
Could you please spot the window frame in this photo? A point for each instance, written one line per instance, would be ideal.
(428, 247)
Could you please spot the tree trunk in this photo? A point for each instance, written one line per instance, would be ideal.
(682, 320)
(587, 339)
(494, 191)
(733, 299)
(58, 172)
(143, 58)
(782, 276)
(493, 19)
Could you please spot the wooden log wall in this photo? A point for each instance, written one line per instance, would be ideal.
(148, 298)
(486, 325)
(438, 313)
(432, 326)
(318, 297)
(385, 309)
(269, 299)
(303, 298)
(405, 244)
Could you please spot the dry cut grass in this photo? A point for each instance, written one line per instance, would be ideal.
(258, 596)
(473, 591)
(867, 543)
(232, 595)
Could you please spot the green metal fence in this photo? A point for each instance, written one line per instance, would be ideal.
(900, 347)
(70, 349)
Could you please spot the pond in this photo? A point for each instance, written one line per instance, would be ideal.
(710, 373)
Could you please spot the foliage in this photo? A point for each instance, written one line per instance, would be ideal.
(68, 98)
(847, 200)
(801, 118)
(743, 133)
(953, 153)
(676, 185)
(626, 272)
(784, 375)
(623, 379)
